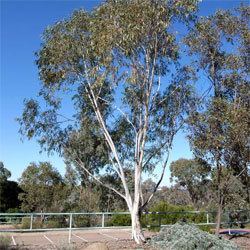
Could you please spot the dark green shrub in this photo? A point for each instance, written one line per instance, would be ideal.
(170, 214)
(119, 220)
(13, 210)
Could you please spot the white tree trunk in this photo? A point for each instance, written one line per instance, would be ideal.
(137, 233)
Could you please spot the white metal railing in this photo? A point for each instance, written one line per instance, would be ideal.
(69, 218)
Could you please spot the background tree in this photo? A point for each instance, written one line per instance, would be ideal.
(41, 183)
(71, 177)
(219, 131)
(110, 63)
(80, 192)
(111, 201)
(175, 195)
(9, 191)
(194, 176)
(233, 191)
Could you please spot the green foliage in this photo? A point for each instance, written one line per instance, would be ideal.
(40, 184)
(219, 129)
(45, 190)
(234, 191)
(194, 176)
(120, 47)
(82, 221)
(55, 223)
(13, 210)
(82, 199)
(119, 220)
(39, 223)
(188, 237)
(175, 195)
(87, 220)
(173, 214)
(117, 55)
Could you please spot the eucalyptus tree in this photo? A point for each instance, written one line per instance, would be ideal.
(193, 175)
(220, 131)
(42, 187)
(114, 65)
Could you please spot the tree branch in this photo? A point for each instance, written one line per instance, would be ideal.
(79, 162)
(126, 117)
(108, 138)
(158, 183)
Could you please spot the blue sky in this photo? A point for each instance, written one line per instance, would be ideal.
(22, 23)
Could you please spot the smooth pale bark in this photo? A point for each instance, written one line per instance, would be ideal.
(137, 233)
(135, 205)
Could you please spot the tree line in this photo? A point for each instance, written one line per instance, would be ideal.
(41, 188)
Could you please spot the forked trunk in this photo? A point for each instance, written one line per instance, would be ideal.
(137, 233)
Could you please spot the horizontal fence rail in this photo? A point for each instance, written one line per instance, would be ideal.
(28, 222)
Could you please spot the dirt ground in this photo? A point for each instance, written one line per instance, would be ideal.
(115, 239)
(243, 242)
(122, 244)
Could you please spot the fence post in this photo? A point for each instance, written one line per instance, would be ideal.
(103, 219)
(159, 218)
(31, 221)
(70, 226)
(207, 218)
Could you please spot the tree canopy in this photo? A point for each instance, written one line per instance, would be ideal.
(194, 175)
(114, 94)
(219, 130)
(40, 184)
(109, 64)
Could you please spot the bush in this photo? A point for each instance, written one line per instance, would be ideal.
(87, 220)
(53, 224)
(56, 222)
(119, 220)
(4, 242)
(13, 210)
(25, 224)
(81, 221)
(173, 215)
(189, 237)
